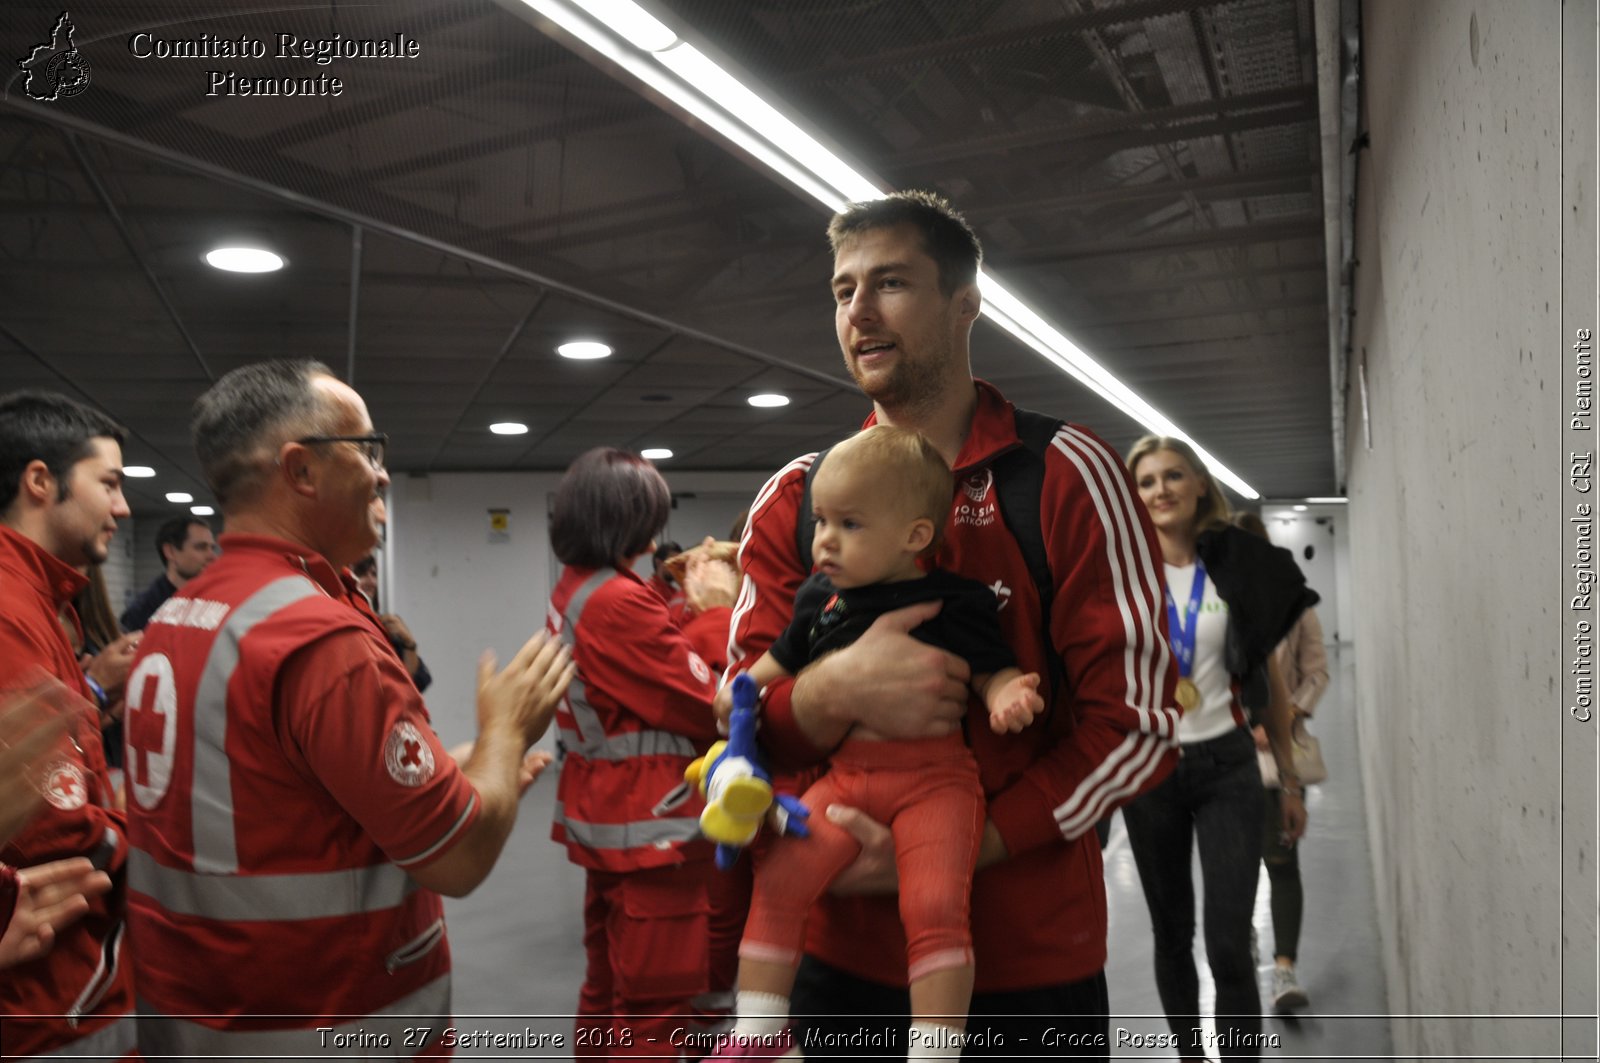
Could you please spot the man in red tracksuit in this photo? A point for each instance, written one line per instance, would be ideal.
(904, 283)
(60, 500)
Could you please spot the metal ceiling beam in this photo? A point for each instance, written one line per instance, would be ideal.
(1210, 239)
(316, 206)
(1179, 122)
(1098, 18)
(49, 365)
(488, 375)
(93, 177)
(1273, 182)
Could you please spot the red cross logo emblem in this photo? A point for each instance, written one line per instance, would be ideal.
(408, 756)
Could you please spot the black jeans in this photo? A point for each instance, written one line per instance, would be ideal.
(1215, 797)
(1283, 873)
(844, 1017)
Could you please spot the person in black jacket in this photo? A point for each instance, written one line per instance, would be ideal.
(1230, 599)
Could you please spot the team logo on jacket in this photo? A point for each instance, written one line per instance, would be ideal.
(408, 756)
(699, 668)
(65, 786)
(975, 505)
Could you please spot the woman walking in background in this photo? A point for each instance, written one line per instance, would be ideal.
(1304, 664)
(1230, 600)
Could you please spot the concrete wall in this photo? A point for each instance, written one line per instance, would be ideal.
(1454, 512)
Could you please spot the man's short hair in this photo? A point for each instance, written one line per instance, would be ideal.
(241, 421)
(49, 427)
(608, 507)
(175, 533)
(946, 236)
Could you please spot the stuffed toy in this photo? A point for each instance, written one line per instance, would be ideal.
(737, 787)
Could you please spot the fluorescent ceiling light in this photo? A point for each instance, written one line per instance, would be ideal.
(179, 496)
(584, 350)
(768, 399)
(744, 117)
(509, 428)
(1299, 509)
(640, 28)
(655, 453)
(685, 97)
(244, 259)
(1333, 500)
(201, 511)
(138, 472)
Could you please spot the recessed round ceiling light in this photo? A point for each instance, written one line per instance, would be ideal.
(655, 453)
(509, 428)
(201, 511)
(1299, 509)
(179, 496)
(583, 350)
(138, 472)
(769, 398)
(244, 259)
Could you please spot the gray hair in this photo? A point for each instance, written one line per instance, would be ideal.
(240, 423)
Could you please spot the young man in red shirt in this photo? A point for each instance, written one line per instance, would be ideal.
(906, 298)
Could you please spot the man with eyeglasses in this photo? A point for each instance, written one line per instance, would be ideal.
(185, 546)
(287, 794)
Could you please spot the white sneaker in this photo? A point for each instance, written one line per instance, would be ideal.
(1286, 992)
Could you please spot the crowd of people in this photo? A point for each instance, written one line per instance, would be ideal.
(962, 692)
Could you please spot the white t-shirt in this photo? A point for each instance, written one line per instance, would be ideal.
(1214, 716)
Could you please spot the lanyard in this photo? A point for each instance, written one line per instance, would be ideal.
(1182, 636)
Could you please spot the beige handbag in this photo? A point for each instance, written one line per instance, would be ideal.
(1307, 760)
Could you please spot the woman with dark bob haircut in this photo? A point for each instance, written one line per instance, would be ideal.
(638, 712)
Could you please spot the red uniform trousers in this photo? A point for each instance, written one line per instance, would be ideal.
(927, 791)
(647, 937)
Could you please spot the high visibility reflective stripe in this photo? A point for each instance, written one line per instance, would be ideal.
(211, 792)
(312, 895)
(639, 833)
(590, 740)
(428, 1007)
(631, 744)
(110, 1042)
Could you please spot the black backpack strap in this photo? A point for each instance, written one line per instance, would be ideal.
(1019, 485)
(805, 527)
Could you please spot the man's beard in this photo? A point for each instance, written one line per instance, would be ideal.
(908, 385)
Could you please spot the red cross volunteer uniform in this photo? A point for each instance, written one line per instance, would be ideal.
(77, 999)
(637, 712)
(283, 777)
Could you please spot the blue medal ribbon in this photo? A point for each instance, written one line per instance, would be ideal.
(1182, 633)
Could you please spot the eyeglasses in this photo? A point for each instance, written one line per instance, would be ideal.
(372, 446)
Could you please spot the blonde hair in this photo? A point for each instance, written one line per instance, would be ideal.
(1212, 510)
(907, 464)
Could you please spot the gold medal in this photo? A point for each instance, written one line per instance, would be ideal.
(1188, 694)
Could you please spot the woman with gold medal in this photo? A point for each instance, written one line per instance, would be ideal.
(1230, 599)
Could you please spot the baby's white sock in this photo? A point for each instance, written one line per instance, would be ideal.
(934, 1040)
(760, 1014)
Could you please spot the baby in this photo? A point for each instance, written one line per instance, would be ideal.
(880, 499)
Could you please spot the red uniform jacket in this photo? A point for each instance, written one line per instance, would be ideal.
(637, 713)
(1039, 917)
(84, 980)
(282, 778)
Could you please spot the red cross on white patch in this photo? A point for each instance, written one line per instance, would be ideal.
(66, 787)
(408, 756)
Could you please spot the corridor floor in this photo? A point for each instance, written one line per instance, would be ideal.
(518, 960)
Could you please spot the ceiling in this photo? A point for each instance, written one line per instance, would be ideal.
(1146, 174)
